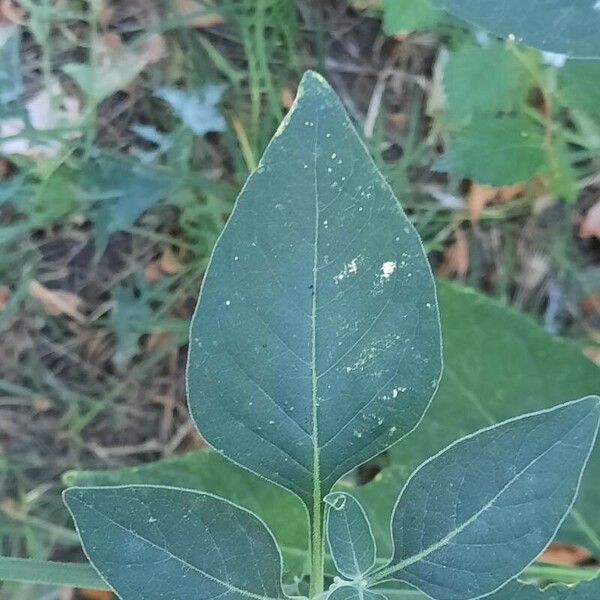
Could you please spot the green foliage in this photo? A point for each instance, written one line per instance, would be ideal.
(197, 110)
(121, 191)
(569, 28)
(349, 536)
(497, 151)
(482, 80)
(349, 293)
(578, 84)
(409, 15)
(178, 542)
(299, 371)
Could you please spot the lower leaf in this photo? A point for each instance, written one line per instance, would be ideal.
(152, 543)
(475, 515)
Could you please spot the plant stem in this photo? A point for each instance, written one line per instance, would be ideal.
(317, 554)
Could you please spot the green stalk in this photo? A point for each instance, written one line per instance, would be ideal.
(28, 570)
(317, 554)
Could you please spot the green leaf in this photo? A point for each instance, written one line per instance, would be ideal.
(517, 590)
(207, 471)
(317, 312)
(401, 16)
(197, 110)
(349, 535)
(497, 364)
(123, 189)
(482, 81)
(350, 592)
(475, 515)
(497, 151)
(569, 28)
(158, 542)
(578, 85)
(11, 80)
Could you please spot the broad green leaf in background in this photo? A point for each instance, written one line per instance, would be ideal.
(579, 85)
(497, 364)
(474, 516)
(569, 28)
(198, 110)
(157, 542)
(349, 535)
(208, 471)
(350, 592)
(496, 151)
(402, 16)
(315, 344)
(480, 80)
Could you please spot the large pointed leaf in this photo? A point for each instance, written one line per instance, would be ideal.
(349, 535)
(315, 344)
(567, 27)
(498, 364)
(152, 543)
(474, 516)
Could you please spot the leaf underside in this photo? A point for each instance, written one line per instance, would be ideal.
(569, 28)
(474, 516)
(315, 344)
(152, 543)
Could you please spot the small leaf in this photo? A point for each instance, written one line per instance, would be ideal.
(157, 542)
(404, 16)
(315, 344)
(349, 535)
(569, 28)
(474, 516)
(198, 110)
(497, 151)
(482, 81)
(350, 592)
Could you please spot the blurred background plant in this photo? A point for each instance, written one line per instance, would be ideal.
(126, 131)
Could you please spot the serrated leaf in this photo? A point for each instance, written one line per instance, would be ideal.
(123, 189)
(569, 28)
(480, 80)
(578, 85)
(208, 471)
(349, 535)
(197, 110)
(498, 364)
(317, 308)
(402, 16)
(497, 151)
(474, 516)
(155, 542)
(350, 592)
